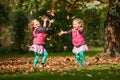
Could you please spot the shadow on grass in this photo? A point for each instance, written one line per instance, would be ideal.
(82, 74)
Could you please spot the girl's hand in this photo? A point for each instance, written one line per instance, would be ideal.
(61, 33)
(51, 21)
(44, 18)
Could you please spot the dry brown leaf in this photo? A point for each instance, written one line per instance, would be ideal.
(89, 75)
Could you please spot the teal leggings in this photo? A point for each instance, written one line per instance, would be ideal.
(37, 56)
(80, 57)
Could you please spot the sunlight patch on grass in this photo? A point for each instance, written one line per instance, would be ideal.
(96, 48)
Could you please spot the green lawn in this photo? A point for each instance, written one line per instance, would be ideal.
(59, 72)
(82, 74)
(92, 51)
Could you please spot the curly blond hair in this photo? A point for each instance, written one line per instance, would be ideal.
(31, 23)
(80, 21)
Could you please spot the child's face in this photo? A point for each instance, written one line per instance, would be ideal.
(76, 24)
(36, 23)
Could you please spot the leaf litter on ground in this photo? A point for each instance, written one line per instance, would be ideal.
(58, 64)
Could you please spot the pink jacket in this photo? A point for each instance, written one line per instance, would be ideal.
(39, 38)
(77, 38)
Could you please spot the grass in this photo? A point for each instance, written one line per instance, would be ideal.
(95, 72)
(83, 74)
(92, 51)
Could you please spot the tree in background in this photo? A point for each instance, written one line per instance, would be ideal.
(94, 16)
(63, 11)
(112, 29)
(3, 20)
(19, 22)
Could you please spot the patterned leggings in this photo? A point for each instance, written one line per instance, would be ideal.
(37, 56)
(80, 57)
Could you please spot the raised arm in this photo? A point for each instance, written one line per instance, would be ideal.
(45, 19)
(50, 22)
(64, 32)
(45, 22)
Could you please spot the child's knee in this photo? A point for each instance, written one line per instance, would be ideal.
(81, 53)
(46, 53)
(77, 56)
(37, 55)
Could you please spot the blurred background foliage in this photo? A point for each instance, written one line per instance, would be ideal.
(15, 15)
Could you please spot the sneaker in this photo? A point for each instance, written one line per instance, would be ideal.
(42, 65)
(85, 63)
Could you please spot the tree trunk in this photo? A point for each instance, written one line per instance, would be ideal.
(112, 29)
(0, 36)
